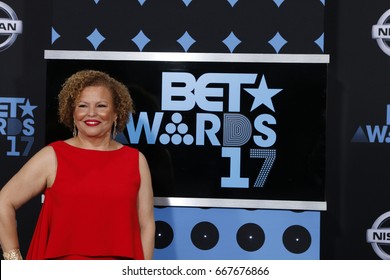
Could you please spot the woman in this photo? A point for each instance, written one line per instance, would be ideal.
(98, 193)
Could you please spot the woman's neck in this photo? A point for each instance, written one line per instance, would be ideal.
(98, 143)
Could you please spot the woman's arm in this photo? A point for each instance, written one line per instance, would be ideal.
(28, 182)
(146, 209)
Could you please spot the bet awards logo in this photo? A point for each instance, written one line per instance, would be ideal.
(379, 236)
(17, 124)
(373, 133)
(213, 101)
(10, 27)
(381, 32)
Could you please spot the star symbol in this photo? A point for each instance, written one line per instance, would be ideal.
(263, 95)
(27, 109)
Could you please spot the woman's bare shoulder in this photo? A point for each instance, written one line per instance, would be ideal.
(42, 162)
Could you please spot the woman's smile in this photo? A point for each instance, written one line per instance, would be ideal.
(92, 122)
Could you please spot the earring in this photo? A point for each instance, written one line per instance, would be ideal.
(74, 130)
(114, 131)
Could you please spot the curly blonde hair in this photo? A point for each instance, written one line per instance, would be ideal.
(75, 84)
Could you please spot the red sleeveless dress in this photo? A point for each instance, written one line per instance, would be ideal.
(90, 212)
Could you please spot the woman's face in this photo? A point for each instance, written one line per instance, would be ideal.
(94, 112)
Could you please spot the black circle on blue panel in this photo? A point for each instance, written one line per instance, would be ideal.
(296, 239)
(250, 237)
(204, 235)
(164, 235)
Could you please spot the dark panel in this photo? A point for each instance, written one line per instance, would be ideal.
(192, 144)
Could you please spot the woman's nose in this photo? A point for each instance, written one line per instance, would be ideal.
(91, 111)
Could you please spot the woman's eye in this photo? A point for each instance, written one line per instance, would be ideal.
(82, 106)
(102, 105)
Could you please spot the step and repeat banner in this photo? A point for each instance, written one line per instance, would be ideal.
(24, 34)
(265, 128)
(357, 223)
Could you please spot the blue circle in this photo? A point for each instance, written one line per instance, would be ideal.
(182, 128)
(164, 139)
(188, 139)
(176, 139)
(177, 118)
(170, 128)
